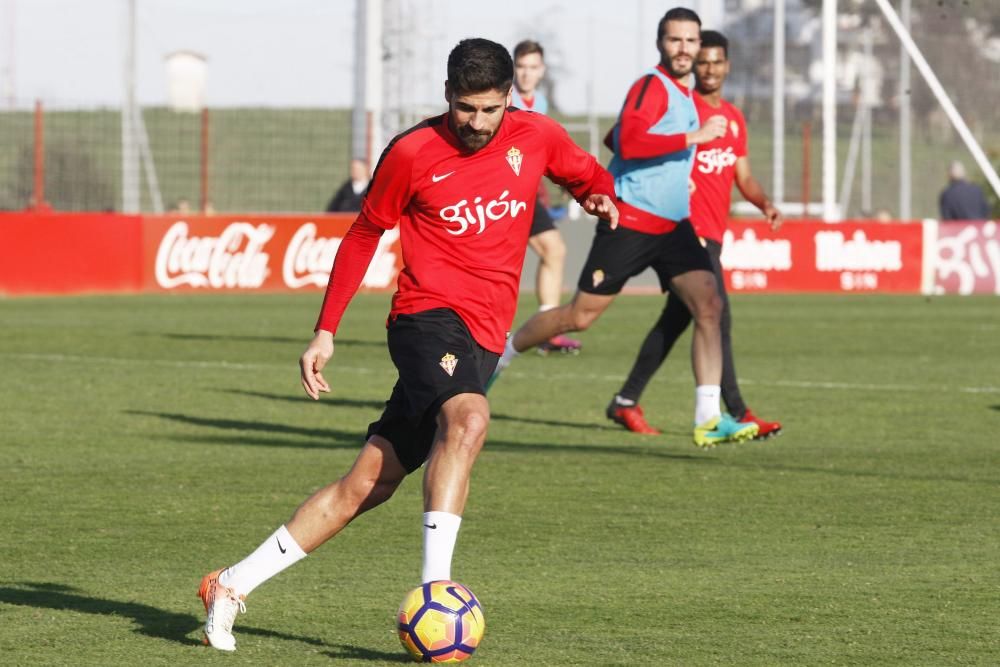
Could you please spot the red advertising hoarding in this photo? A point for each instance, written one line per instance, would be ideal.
(966, 257)
(72, 253)
(254, 252)
(805, 256)
(69, 253)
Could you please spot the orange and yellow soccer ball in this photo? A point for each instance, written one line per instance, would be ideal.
(440, 621)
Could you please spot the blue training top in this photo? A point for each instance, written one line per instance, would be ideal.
(659, 185)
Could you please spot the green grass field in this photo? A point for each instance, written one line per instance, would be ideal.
(147, 440)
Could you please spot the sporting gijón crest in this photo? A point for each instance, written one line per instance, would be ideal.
(514, 160)
(448, 362)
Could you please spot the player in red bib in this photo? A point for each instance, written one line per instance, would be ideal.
(462, 187)
(717, 165)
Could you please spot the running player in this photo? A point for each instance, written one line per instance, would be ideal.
(654, 149)
(717, 164)
(461, 187)
(545, 239)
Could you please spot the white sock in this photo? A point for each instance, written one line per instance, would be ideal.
(508, 354)
(706, 402)
(440, 533)
(278, 552)
(547, 306)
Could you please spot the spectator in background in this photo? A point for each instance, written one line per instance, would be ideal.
(348, 197)
(545, 239)
(962, 200)
(181, 207)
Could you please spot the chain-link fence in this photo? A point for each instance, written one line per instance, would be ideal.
(277, 159)
(960, 40)
(228, 159)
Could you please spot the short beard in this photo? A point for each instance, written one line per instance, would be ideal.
(673, 71)
(473, 140)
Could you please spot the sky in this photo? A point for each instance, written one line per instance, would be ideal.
(301, 52)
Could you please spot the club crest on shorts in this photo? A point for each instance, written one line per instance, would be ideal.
(514, 158)
(597, 277)
(448, 363)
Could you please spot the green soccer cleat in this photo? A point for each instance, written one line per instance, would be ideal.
(723, 429)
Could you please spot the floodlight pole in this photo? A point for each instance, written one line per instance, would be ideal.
(778, 105)
(942, 97)
(869, 92)
(905, 125)
(130, 148)
(366, 117)
(830, 212)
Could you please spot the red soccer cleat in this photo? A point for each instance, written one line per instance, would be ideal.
(631, 418)
(767, 429)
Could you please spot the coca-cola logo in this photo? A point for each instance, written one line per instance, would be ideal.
(715, 160)
(234, 258)
(478, 215)
(309, 258)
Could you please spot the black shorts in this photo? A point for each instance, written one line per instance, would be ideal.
(437, 358)
(542, 222)
(618, 254)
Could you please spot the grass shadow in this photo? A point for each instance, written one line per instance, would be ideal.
(343, 439)
(348, 342)
(645, 447)
(300, 397)
(339, 402)
(151, 621)
(254, 426)
(590, 426)
(348, 652)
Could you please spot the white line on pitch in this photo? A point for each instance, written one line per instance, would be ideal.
(567, 377)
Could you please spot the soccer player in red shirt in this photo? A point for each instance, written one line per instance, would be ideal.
(461, 187)
(718, 164)
(654, 143)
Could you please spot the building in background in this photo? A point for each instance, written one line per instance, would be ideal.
(187, 72)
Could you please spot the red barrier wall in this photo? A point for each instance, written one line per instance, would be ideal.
(259, 252)
(69, 253)
(811, 256)
(77, 253)
(966, 258)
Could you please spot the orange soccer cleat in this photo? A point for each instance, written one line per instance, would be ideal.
(222, 605)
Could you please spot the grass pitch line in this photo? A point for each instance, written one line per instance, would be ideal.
(568, 377)
(168, 363)
(798, 384)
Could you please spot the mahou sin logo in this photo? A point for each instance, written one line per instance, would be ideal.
(835, 252)
(309, 258)
(234, 258)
